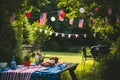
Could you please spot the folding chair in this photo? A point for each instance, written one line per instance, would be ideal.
(85, 55)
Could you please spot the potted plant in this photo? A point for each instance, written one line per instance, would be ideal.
(27, 60)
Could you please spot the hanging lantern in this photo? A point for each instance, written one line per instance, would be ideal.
(52, 18)
(96, 9)
(63, 14)
(28, 14)
(82, 10)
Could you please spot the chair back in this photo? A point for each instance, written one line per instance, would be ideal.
(84, 51)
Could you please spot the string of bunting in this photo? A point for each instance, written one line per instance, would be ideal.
(65, 34)
(62, 15)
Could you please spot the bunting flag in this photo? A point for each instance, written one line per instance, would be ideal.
(81, 22)
(76, 35)
(106, 20)
(56, 34)
(43, 17)
(94, 35)
(63, 34)
(69, 36)
(40, 30)
(12, 18)
(94, 21)
(51, 33)
(117, 18)
(71, 20)
(109, 11)
(61, 15)
(85, 35)
(46, 31)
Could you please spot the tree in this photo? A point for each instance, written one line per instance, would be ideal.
(12, 34)
(103, 18)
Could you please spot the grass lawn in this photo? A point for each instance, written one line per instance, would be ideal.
(82, 72)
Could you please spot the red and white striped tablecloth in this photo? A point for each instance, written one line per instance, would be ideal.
(23, 73)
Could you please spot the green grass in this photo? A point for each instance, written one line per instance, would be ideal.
(82, 72)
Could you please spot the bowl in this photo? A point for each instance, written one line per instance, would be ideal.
(3, 65)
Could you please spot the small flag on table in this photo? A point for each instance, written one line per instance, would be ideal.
(81, 22)
(43, 18)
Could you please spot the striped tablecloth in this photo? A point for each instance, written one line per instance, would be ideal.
(23, 73)
(33, 72)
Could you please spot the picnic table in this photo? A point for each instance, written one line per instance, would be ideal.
(39, 72)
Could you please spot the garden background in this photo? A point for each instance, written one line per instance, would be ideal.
(94, 22)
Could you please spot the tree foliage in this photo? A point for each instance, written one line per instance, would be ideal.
(14, 34)
(109, 32)
(112, 28)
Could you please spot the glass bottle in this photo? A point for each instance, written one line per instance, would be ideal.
(13, 63)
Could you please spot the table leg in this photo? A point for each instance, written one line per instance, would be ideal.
(72, 73)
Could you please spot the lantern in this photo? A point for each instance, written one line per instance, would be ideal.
(96, 9)
(82, 10)
(63, 14)
(52, 18)
(28, 14)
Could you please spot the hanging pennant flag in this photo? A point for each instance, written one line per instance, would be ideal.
(69, 36)
(94, 35)
(35, 28)
(94, 21)
(76, 35)
(106, 20)
(45, 31)
(117, 18)
(81, 22)
(41, 30)
(85, 35)
(109, 11)
(12, 18)
(63, 35)
(56, 34)
(51, 33)
(61, 15)
(43, 18)
(71, 20)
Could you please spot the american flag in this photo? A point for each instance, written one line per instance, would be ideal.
(71, 20)
(12, 18)
(109, 11)
(81, 22)
(43, 18)
(106, 20)
(117, 18)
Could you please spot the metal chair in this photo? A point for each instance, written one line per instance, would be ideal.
(85, 55)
